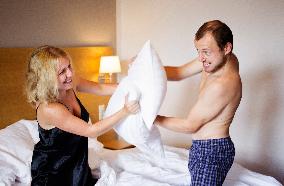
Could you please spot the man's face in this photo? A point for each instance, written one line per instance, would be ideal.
(209, 53)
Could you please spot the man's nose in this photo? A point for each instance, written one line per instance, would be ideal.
(201, 58)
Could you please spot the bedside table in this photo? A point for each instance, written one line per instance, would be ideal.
(110, 140)
(117, 144)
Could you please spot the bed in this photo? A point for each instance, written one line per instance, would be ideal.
(125, 167)
(128, 167)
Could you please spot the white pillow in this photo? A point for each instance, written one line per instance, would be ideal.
(146, 82)
(148, 74)
(16, 148)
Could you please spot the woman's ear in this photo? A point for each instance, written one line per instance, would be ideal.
(228, 48)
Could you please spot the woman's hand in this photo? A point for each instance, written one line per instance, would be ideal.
(131, 107)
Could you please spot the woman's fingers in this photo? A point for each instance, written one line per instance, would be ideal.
(126, 98)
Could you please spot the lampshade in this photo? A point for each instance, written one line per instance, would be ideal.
(109, 64)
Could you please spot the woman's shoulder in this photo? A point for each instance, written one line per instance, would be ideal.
(51, 113)
(51, 105)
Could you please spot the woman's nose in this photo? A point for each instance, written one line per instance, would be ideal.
(69, 73)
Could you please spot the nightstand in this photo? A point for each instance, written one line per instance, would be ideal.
(117, 144)
(110, 140)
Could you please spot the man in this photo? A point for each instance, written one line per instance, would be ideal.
(212, 151)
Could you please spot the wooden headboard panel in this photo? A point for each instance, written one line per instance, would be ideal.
(13, 64)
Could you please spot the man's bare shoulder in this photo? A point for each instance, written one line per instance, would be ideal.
(225, 88)
(231, 76)
(221, 87)
(218, 87)
(234, 62)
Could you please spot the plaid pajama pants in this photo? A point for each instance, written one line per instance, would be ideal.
(210, 160)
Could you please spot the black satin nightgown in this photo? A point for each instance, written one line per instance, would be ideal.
(61, 158)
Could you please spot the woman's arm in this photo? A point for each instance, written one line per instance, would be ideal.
(59, 116)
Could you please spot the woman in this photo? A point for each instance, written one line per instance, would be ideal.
(61, 155)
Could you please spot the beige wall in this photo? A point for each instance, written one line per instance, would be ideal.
(31, 23)
(258, 28)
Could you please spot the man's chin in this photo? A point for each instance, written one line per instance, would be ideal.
(208, 70)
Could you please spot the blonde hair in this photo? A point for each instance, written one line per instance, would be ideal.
(41, 75)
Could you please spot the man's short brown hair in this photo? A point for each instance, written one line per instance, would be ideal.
(219, 30)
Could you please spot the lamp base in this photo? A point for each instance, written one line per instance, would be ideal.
(107, 78)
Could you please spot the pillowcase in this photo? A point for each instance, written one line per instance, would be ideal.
(16, 148)
(148, 74)
(146, 82)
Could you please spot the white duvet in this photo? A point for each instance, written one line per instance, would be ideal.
(114, 168)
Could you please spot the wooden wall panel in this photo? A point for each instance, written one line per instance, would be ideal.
(13, 63)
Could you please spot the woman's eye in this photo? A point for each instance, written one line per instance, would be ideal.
(61, 72)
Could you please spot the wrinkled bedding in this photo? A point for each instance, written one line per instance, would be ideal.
(129, 167)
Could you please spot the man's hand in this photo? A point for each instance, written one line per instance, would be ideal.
(131, 60)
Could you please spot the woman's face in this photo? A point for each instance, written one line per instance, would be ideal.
(64, 74)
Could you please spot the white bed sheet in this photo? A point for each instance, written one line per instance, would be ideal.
(127, 167)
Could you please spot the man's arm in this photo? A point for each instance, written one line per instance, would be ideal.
(181, 72)
(209, 104)
(87, 86)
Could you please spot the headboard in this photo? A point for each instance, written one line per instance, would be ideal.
(13, 64)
